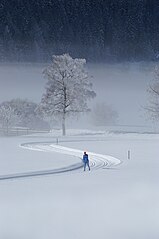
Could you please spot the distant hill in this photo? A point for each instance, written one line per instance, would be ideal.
(99, 30)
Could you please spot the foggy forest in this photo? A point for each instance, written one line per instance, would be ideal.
(97, 30)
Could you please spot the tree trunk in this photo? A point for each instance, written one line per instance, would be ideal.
(63, 126)
(64, 113)
(7, 127)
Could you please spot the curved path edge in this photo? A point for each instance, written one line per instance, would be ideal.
(97, 161)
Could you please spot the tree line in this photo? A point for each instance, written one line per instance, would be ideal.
(98, 30)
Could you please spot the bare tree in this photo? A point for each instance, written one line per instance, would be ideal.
(20, 112)
(27, 114)
(8, 116)
(153, 90)
(67, 90)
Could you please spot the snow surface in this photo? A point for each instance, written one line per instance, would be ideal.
(116, 202)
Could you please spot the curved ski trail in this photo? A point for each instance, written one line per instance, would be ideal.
(97, 161)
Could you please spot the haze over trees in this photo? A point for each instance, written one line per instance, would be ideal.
(68, 89)
(19, 112)
(111, 30)
(103, 114)
(8, 117)
(153, 90)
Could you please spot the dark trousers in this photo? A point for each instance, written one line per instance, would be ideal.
(86, 164)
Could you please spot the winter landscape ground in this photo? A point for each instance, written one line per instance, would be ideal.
(44, 192)
(111, 201)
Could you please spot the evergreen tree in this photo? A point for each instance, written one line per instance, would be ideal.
(92, 29)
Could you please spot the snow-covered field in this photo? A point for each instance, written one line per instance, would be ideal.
(111, 201)
(44, 193)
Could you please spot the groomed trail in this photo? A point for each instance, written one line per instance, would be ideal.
(97, 161)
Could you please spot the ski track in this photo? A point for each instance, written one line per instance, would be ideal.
(97, 161)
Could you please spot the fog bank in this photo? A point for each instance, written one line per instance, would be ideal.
(121, 85)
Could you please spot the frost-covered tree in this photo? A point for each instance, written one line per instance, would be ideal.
(103, 114)
(26, 112)
(153, 90)
(8, 116)
(67, 90)
(20, 112)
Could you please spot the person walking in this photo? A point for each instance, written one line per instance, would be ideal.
(86, 161)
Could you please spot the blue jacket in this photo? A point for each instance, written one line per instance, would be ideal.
(85, 158)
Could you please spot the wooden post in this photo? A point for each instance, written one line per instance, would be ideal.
(57, 141)
(129, 155)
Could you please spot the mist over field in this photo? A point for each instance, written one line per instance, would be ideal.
(123, 86)
(118, 39)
